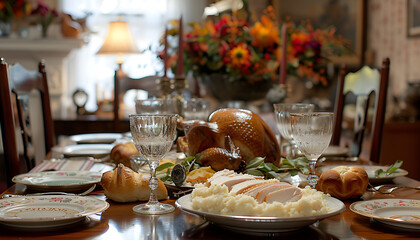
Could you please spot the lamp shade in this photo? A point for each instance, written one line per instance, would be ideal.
(118, 41)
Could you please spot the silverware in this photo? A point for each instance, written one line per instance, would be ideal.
(389, 188)
(52, 193)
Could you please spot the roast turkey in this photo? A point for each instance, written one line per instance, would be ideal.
(230, 139)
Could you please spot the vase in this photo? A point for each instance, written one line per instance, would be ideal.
(5, 29)
(44, 31)
(221, 88)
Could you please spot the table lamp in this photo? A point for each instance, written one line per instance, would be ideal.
(118, 42)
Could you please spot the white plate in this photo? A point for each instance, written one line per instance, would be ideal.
(85, 150)
(403, 213)
(370, 170)
(332, 151)
(261, 225)
(48, 211)
(96, 138)
(58, 180)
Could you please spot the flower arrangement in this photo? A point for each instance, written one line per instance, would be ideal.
(13, 9)
(252, 52)
(45, 16)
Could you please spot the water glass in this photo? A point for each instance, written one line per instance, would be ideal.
(312, 133)
(155, 106)
(153, 136)
(282, 115)
(196, 109)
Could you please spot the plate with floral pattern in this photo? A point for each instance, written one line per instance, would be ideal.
(48, 211)
(403, 213)
(59, 180)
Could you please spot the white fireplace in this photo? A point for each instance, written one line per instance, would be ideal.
(55, 52)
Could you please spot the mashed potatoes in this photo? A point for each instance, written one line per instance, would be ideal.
(217, 199)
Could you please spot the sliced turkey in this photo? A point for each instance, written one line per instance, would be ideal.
(247, 185)
(284, 195)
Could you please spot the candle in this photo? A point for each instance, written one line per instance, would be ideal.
(283, 66)
(165, 53)
(180, 65)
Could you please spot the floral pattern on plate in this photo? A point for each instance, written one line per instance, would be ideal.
(45, 211)
(398, 212)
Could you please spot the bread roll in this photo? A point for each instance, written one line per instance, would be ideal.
(121, 153)
(124, 185)
(344, 182)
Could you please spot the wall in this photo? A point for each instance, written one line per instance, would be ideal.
(387, 37)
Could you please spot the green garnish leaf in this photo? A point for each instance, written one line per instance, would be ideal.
(275, 175)
(271, 166)
(293, 172)
(165, 165)
(254, 172)
(258, 167)
(394, 167)
(255, 162)
(380, 172)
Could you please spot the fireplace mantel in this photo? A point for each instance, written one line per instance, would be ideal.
(28, 52)
(52, 45)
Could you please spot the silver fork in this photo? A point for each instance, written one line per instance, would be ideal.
(52, 193)
(391, 189)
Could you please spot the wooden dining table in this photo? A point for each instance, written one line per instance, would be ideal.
(120, 222)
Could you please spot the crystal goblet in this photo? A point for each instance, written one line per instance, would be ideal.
(312, 133)
(282, 115)
(153, 136)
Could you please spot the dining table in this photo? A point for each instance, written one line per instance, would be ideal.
(119, 221)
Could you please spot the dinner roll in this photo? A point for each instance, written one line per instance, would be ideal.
(121, 153)
(344, 182)
(124, 185)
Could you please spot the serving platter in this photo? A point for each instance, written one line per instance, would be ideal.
(58, 180)
(261, 225)
(370, 170)
(48, 211)
(404, 213)
(91, 138)
(85, 150)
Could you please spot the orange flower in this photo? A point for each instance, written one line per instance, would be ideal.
(239, 55)
(265, 33)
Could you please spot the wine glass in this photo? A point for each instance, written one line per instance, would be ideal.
(153, 136)
(282, 114)
(312, 133)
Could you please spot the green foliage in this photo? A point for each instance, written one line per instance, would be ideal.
(389, 170)
(258, 167)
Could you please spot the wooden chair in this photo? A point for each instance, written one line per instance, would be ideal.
(17, 87)
(123, 83)
(10, 161)
(363, 85)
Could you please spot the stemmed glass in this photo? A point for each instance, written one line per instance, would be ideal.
(312, 133)
(282, 115)
(153, 136)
